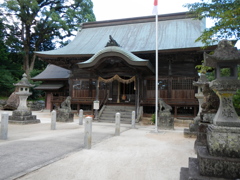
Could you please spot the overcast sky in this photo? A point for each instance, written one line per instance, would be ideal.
(117, 9)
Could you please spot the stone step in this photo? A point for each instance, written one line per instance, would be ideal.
(112, 114)
(109, 113)
(184, 173)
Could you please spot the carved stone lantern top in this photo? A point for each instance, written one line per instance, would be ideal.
(202, 80)
(225, 57)
(23, 86)
(225, 52)
(23, 82)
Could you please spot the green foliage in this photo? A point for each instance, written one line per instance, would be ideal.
(31, 25)
(6, 73)
(226, 17)
(153, 118)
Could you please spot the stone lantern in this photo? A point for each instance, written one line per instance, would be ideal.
(23, 115)
(220, 157)
(199, 95)
(225, 58)
(23, 92)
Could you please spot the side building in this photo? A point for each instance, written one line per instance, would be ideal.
(114, 62)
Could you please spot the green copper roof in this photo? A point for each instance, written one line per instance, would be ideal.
(175, 31)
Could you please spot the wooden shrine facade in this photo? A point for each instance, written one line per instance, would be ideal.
(114, 62)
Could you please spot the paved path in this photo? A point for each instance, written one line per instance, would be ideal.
(36, 152)
(30, 147)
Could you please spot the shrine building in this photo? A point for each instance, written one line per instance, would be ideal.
(113, 63)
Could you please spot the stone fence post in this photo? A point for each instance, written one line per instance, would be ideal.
(4, 126)
(117, 122)
(80, 117)
(88, 133)
(53, 120)
(133, 120)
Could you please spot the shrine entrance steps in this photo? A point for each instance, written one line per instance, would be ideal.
(109, 112)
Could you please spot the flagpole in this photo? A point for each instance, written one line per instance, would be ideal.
(156, 83)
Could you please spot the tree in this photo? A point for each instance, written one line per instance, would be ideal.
(31, 23)
(226, 17)
(8, 70)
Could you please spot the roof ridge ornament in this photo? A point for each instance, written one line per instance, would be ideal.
(112, 42)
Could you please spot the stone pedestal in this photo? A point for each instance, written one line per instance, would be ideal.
(23, 117)
(223, 141)
(226, 114)
(166, 121)
(64, 115)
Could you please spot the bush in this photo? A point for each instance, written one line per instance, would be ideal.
(153, 118)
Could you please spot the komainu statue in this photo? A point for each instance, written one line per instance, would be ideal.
(64, 113)
(163, 106)
(66, 104)
(166, 120)
(211, 103)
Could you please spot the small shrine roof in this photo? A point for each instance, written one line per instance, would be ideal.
(52, 72)
(46, 86)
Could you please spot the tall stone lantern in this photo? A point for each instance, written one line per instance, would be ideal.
(220, 157)
(23, 115)
(23, 92)
(225, 58)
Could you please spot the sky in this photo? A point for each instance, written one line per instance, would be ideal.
(117, 9)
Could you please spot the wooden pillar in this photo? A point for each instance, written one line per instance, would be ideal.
(195, 111)
(90, 88)
(70, 83)
(118, 95)
(137, 95)
(175, 112)
(97, 98)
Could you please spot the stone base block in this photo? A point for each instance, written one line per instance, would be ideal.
(166, 121)
(63, 116)
(188, 134)
(223, 141)
(222, 167)
(192, 173)
(21, 113)
(36, 121)
(23, 117)
(201, 135)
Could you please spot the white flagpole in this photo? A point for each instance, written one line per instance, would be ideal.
(156, 84)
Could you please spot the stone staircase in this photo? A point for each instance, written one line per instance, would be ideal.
(109, 111)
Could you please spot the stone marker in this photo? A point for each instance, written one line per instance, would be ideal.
(80, 117)
(53, 120)
(4, 126)
(117, 122)
(88, 133)
(133, 120)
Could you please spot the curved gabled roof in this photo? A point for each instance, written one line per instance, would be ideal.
(176, 31)
(128, 57)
